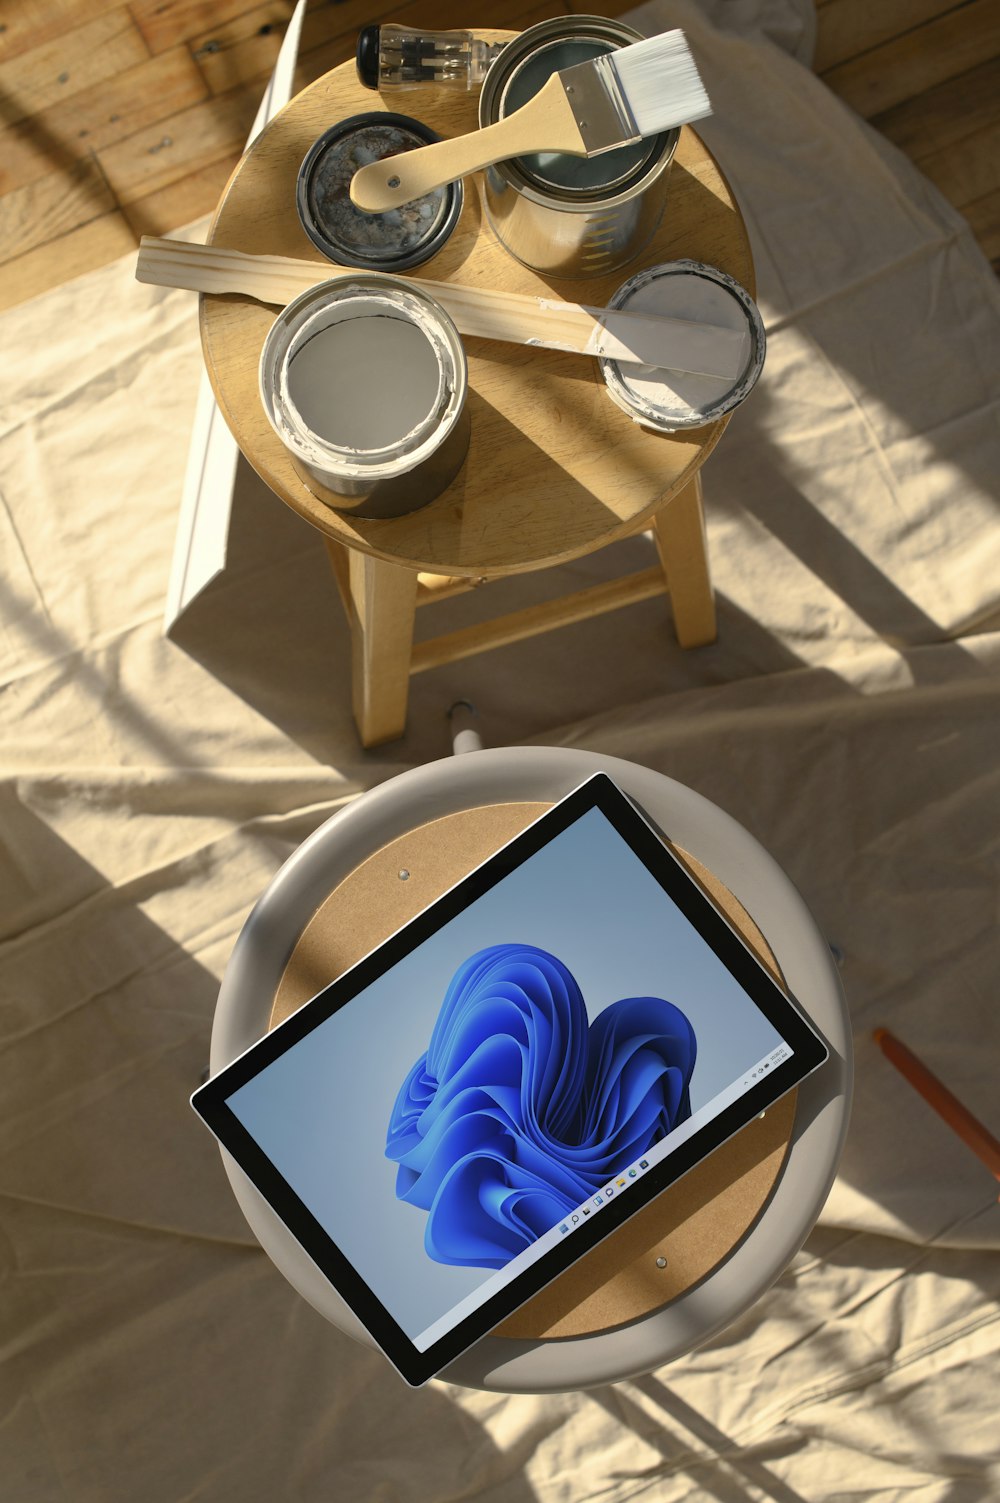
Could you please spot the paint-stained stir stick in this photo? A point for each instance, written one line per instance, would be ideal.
(974, 1134)
(635, 338)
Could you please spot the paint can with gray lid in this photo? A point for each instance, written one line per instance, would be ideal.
(364, 380)
(673, 401)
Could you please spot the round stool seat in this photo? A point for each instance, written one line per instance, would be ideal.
(813, 1121)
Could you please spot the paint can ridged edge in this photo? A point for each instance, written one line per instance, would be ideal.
(645, 412)
(398, 478)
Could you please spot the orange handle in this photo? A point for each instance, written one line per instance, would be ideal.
(958, 1117)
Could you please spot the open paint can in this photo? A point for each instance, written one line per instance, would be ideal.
(564, 215)
(670, 401)
(364, 380)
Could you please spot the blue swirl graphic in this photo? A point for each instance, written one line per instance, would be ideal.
(521, 1109)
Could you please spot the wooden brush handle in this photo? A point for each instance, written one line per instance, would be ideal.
(211, 268)
(508, 316)
(545, 123)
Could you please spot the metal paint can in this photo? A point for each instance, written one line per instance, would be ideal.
(671, 401)
(402, 238)
(364, 380)
(561, 215)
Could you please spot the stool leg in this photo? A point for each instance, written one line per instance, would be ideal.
(383, 604)
(679, 528)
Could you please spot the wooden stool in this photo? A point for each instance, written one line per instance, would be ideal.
(727, 1229)
(554, 471)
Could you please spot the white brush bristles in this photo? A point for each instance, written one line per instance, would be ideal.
(660, 81)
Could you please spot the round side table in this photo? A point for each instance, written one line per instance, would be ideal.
(729, 1228)
(554, 470)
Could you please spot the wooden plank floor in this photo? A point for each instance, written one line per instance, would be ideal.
(118, 120)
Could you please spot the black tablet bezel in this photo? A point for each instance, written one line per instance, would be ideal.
(598, 792)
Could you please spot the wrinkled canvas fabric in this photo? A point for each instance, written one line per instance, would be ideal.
(848, 716)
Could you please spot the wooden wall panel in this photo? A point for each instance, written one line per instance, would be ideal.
(967, 170)
(160, 154)
(848, 28)
(187, 198)
(126, 118)
(26, 24)
(165, 23)
(97, 117)
(42, 76)
(950, 112)
(84, 249)
(918, 59)
(53, 205)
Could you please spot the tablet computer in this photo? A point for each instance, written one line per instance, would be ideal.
(474, 1105)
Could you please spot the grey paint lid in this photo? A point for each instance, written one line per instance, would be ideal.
(401, 238)
(671, 401)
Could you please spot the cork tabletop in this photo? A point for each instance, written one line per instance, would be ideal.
(689, 1229)
(554, 469)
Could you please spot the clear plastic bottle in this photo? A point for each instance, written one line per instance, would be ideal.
(397, 57)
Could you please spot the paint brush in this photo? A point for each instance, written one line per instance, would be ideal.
(610, 101)
(973, 1133)
(636, 338)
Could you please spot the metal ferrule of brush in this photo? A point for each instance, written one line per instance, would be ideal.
(599, 105)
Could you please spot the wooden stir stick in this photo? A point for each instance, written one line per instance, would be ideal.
(636, 338)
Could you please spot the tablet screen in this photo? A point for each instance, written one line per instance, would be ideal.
(523, 1074)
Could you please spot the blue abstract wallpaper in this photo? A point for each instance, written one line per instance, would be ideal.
(521, 1108)
(462, 1103)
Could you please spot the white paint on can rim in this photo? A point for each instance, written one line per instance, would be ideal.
(363, 379)
(670, 401)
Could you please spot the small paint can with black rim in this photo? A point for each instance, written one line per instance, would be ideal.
(364, 380)
(395, 241)
(673, 401)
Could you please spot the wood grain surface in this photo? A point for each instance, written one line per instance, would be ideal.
(101, 89)
(537, 413)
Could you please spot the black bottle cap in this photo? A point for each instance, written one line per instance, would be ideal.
(367, 56)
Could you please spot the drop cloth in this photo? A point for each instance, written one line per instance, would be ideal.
(848, 715)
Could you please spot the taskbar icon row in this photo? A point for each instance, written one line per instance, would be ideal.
(601, 1197)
